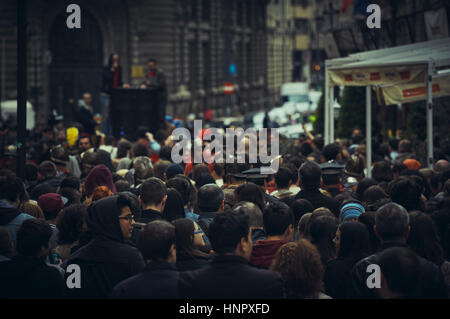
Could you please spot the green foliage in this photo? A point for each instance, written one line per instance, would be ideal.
(416, 121)
(353, 105)
(319, 124)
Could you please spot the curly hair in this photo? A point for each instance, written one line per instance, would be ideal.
(300, 266)
(101, 192)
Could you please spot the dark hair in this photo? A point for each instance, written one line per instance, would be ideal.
(31, 171)
(174, 207)
(392, 221)
(331, 151)
(122, 185)
(405, 192)
(277, 218)
(160, 168)
(364, 184)
(70, 181)
(309, 174)
(70, 223)
(122, 148)
(32, 235)
(368, 219)
(405, 146)
(373, 194)
(400, 268)
(252, 211)
(41, 189)
(300, 207)
(151, 60)
(393, 143)
(123, 201)
(184, 229)
(142, 131)
(203, 179)
(139, 149)
(155, 239)
(210, 197)
(250, 192)
(382, 172)
(165, 153)
(322, 231)
(283, 177)
(420, 180)
(152, 191)
(226, 231)
(357, 139)
(161, 136)
(354, 240)
(424, 239)
(73, 195)
(219, 169)
(184, 187)
(47, 169)
(293, 169)
(11, 188)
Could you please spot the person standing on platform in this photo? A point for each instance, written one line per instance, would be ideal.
(155, 79)
(112, 79)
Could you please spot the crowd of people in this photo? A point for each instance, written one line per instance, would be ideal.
(138, 225)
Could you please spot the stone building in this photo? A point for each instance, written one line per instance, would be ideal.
(199, 44)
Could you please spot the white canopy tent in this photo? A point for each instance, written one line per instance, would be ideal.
(401, 74)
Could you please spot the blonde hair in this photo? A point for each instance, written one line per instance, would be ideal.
(33, 209)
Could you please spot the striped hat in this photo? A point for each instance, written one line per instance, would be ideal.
(351, 210)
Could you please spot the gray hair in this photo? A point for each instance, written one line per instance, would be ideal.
(253, 212)
(392, 221)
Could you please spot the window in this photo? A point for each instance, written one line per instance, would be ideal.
(206, 65)
(206, 10)
(193, 10)
(301, 26)
(193, 66)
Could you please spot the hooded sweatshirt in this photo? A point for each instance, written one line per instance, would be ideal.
(264, 252)
(100, 175)
(11, 218)
(107, 259)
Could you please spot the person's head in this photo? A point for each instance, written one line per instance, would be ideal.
(364, 184)
(184, 186)
(355, 167)
(283, 178)
(12, 189)
(70, 182)
(279, 221)
(156, 242)
(160, 168)
(252, 211)
(424, 239)
(218, 170)
(229, 234)
(301, 207)
(189, 237)
(32, 208)
(382, 172)
(351, 210)
(400, 271)
(356, 131)
(173, 170)
(322, 231)
(46, 169)
(373, 194)
(441, 166)
(310, 175)
(113, 60)
(71, 223)
(87, 98)
(210, 198)
(122, 185)
(357, 139)
(406, 192)
(73, 195)
(332, 152)
(143, 169)
(33, 238)
(301, 269)
(51, 205)
(352, 240)
(302, 226)
(250, 192)
(6, 243)
(174, 208)
(392, 223)
(139, 149)
(153, 193)
(151, 64)
(101, 192)
(123, 147)
(84, 143)
(203, 179)
(405, 146)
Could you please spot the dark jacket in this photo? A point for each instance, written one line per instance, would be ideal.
(28, 277)
(187, 261)
(317, 199)
(431, 283)
(86, 118)
(108, 78)
(147, 216)
(158, 280)
(205, 219)
(11, 218)
(264, 252)
(337, 277)
(157, 81)
(107, 259)
(258, 234)
(230, 277)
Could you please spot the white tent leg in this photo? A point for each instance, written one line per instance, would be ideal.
(331, 103)
(430, 160)
(369, 130)
(327, 113)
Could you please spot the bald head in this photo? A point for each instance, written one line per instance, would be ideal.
(441, 166)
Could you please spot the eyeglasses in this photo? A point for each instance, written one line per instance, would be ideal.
(130, 218)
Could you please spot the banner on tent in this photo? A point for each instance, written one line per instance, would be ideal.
(415, 92)
(378, 76)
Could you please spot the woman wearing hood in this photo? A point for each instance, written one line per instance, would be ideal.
(100, 175)
(108, 258)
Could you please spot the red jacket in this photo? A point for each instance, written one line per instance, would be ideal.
(264, 252)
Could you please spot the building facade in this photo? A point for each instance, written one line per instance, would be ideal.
(199, 44)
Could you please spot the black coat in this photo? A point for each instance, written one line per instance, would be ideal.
(337, 278)
(108, 79)
(158, 280)
(431, 283)
(27, 277)
(317, 199)
(107, 259)
(186, 261)
(230, 277)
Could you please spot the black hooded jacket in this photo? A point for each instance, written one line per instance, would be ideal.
(107, 259)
